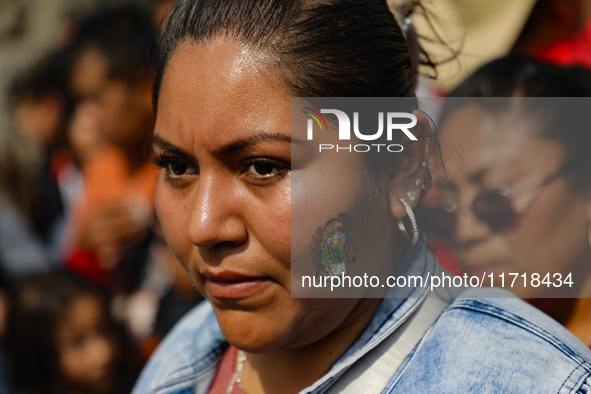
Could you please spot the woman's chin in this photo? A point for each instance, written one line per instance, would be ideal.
(284, 324)
(252, 334)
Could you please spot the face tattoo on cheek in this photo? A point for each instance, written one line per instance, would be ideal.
(332, 247)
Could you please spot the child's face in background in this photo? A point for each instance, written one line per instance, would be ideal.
(87, 347)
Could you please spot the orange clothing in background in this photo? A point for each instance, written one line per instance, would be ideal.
(107, 179)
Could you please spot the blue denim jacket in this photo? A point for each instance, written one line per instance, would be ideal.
(486, 341)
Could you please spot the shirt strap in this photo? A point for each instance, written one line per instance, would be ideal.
(373, 371)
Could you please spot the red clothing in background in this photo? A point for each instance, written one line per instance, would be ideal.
(575, 51)
(107, 179)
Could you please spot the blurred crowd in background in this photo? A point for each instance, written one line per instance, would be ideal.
(88, 286)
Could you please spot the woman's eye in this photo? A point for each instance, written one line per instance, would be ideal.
(176, 171)
(177, 168)
(263, 169)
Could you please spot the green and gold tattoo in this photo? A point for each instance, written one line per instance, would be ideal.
(332, 246)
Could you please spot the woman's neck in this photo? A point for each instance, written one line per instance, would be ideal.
(290, 371)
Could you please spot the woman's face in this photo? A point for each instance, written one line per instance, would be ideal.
(224, 198)
(551, 225)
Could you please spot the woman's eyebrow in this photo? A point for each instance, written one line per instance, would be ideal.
(170, 148)
(230, 148)
(256, 139)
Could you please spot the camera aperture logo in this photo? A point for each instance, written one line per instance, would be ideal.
(390, 119)
(317, 117)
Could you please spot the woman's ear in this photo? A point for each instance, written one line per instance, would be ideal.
(411, 177)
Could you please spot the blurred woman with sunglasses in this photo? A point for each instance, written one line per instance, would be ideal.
(519, 182)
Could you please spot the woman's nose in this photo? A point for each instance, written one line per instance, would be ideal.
(215, 217)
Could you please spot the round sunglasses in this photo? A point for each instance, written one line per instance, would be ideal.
(494, 207)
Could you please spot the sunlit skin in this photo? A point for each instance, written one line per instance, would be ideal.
(550, 234)
(224, 199)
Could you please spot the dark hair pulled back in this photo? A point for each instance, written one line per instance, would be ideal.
(339, 48)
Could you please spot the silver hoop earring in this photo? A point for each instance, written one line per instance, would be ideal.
(413, 220)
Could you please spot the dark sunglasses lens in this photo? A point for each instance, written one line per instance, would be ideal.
(495, 210)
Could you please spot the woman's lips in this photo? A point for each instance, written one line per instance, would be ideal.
(235, 287)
